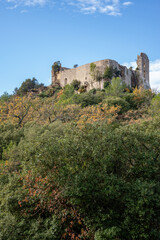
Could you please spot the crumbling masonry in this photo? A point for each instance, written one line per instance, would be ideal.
(132, 78)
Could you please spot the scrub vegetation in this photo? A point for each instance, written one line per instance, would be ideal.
(80, 165)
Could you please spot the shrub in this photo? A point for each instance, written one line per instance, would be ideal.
(116, 87)
(9, 135)
(108, 73)
(93, 91)
(82, 89)
(56, 67)
(129, 97)
(5, 97)
(143, 97)
(76, 84)
(117, 101)
(27, 85)
(88, 99)
(92, 67)
(109, 234)
(95, 73)
(67, 92)
(155, 105)
(49, 92)
(75, 65)
(67, 96)
(106, 84)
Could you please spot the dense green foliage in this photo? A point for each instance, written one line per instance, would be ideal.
(76, 84)
(108, 73)
(56, 67)
(95, 72)
(91, 172)
(27, 85)
(88, 99)
(4, 97)
(75, 65)
(117, 101)
(116, 88)
(106, 84)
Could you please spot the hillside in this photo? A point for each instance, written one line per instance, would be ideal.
(80, 165)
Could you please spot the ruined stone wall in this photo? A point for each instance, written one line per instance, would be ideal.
(126, 75)
(129, 77)
(82, 74)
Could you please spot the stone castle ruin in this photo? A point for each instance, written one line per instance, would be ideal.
(92, 75)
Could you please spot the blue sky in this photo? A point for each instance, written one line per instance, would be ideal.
(36, 33)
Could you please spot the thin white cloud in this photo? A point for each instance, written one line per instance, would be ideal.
(154, 72)
(127, 3)
(26, 3)
(131, 64)
(109, 7)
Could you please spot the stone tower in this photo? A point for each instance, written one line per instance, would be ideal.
(143, 70)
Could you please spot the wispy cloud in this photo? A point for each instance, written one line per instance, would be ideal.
(130, 64)
(27, 3)
(154, 72)
(127, 3)
(109, 7)
(24, 11)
